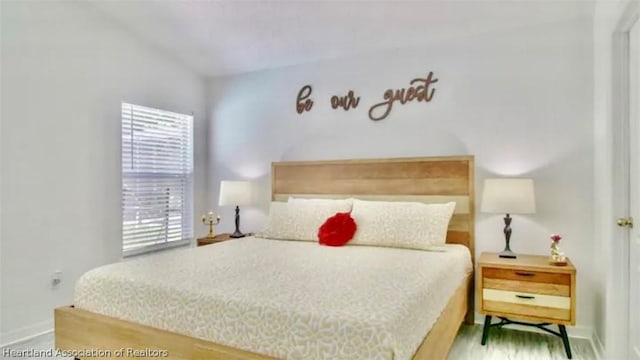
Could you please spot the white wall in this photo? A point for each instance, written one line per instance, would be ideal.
(65, 70)
(520, 101)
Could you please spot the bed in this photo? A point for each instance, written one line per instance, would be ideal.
(197, 326)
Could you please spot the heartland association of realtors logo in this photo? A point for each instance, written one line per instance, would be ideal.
(84, 353)
(419, 90)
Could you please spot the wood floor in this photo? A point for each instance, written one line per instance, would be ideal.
(504, 344)
(507, 344)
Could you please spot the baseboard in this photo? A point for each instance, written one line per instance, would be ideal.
(26, 333)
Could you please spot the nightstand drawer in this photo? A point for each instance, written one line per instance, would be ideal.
(525, 298)
(527, 304)
(535, 312)
(526, 275)
(532, 287)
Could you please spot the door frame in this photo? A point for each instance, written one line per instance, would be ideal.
(617, 321)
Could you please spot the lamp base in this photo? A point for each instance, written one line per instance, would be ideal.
(238, 234)
(507, 254)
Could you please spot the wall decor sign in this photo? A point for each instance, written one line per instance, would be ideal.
(419, 89)
(303, 103)
(346, 102)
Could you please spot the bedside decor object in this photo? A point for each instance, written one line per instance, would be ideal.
(211, 223)
(508, 196)
(235, 193)
(557, 257)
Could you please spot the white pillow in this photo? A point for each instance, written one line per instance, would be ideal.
(299, 220)
(409, 225)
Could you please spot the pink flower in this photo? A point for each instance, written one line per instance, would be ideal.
(556, 237)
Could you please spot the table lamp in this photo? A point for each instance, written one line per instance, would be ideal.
(235, 193)
(508, 196)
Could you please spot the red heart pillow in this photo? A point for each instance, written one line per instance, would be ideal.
(337, 230)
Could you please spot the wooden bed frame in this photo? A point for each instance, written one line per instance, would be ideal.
(430, 179)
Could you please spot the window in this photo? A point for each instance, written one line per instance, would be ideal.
(157, 178)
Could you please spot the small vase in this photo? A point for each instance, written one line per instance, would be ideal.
(557, 257)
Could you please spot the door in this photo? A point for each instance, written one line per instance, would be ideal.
(634, 192)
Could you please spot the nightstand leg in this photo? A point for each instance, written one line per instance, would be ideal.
(565, 340)
(485, 330)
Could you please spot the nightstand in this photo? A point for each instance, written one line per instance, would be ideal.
(216, 239)
(527, 288)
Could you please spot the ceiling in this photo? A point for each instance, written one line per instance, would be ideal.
(217, 38)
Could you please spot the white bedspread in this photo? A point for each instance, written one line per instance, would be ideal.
(287, 299)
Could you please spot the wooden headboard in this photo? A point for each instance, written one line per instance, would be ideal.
(426, 179)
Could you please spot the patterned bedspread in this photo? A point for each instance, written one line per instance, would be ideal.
(287, 299)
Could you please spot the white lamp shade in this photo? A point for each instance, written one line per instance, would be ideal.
(508, 196)
(234, 193)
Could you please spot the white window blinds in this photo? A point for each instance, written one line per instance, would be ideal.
(157, 177)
